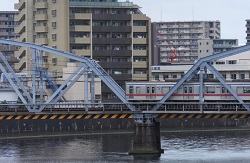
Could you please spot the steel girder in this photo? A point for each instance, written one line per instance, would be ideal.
(90, 63)
(201, 66)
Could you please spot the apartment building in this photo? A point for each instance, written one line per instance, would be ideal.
(208, 47)
(248, 30)
(116, 34)
(177, 42)
(7, 25)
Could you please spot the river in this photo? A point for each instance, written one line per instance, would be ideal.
(179, 147)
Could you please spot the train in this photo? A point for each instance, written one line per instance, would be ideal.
(187, 92)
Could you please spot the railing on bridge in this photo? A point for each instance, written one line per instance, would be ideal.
(171, 107)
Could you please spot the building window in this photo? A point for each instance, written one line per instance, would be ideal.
(210, 89)
(54, 25)
(156, 77)
(224, 76)
(53, 12)
(232, 62)
(53, 36)
(45, 59)
(233, 76)
(165, 77)
(54, 61)
(242, 76)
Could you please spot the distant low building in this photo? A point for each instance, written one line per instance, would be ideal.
(231, 68)
(208, 47)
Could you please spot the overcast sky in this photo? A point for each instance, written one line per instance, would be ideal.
(231, 13)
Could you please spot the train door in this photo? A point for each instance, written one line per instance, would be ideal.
(188, 92)
(150, 92)
(225, 94)
(131, 92)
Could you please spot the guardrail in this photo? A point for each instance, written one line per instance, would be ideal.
(141, 107)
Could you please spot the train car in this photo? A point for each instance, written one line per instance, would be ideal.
(213, 91)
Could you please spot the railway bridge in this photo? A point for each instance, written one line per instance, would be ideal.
(144, 114)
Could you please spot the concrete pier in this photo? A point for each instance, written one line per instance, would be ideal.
(146, 138)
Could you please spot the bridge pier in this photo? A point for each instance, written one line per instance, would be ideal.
(146, 136)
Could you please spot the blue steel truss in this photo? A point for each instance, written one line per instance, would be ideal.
(37, 51)
(201, 66)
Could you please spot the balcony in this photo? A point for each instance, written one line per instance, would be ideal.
(4, 34)
(20, 5)
(22, 38)
(140, 77)
(21, 28)
(122, 41)
(20, 66)
(139, 41)
(112, 29)
(82, 52)
(80, 40)
(139, 64)
(21, 52)
(139, 17)
(101, 4)
(42, 41)
(223, 46)
(80, 16)
(80, 28)
(40, 17)
(140, 53)
(20, 17)
(40, 5)
(41, 29)
(111, 53)
(116, 65)
(105, 17)
(139, 28)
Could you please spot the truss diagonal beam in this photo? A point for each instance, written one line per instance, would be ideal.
(69, 86)
(15, 77)
(178, 84)
(226, 53)
(194, 68)
(14, 87)
(90, 63)
(220, 78)
(63, 85)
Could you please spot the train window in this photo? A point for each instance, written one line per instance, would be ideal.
(185, 89)
(148, 90)
(164, 90)
(131, 89)
(210, 89)
(138, 89)
(153, 89)
(246, 89)
(190, 90)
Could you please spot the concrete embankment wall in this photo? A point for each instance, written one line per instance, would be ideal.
(56, 125)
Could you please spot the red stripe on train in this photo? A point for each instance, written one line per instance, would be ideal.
(186, 94)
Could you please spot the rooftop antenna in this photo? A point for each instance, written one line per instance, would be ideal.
(161, 14)
(193, 11)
